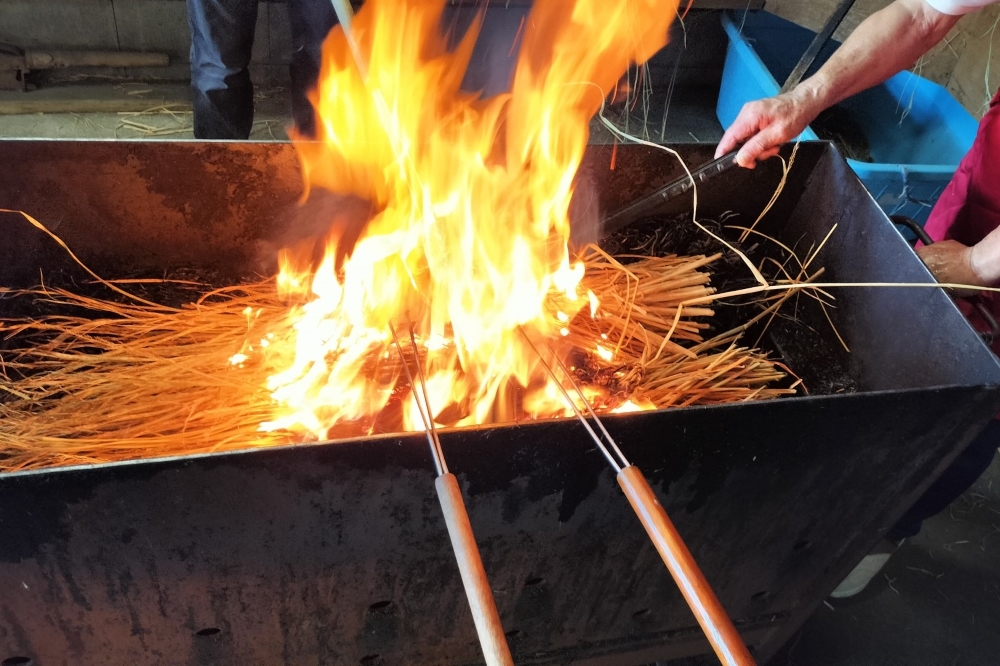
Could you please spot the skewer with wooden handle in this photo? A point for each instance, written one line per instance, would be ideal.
(470, 564)
(463, 542)
(712, 617)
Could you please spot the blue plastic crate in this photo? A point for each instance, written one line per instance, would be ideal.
(916, 131)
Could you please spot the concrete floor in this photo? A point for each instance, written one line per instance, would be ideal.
(163, 111)
(126, 111)
(938, 601)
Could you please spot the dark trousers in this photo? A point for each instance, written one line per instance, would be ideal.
(222, 33)
(958, 478)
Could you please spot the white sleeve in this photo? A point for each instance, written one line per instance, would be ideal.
(958, 7)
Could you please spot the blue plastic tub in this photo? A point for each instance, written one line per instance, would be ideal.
(916, 131)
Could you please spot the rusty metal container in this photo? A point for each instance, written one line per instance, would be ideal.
(336, 553)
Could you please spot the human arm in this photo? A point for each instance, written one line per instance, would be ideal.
(884, 44)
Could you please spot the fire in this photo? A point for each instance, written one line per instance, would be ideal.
(467, 241)
(630, 406)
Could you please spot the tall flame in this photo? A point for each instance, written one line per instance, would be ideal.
(467, 242)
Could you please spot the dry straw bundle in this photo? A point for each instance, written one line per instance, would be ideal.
(127, 381)
(127, 378)
(644, 322)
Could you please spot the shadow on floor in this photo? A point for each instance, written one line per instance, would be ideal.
(936, 602)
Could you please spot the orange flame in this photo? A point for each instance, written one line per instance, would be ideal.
(467, 241)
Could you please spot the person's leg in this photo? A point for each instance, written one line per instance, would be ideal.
(958, 478)
(494, 57)
(311, 21)
(221, 43)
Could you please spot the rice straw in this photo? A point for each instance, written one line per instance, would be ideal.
(136, 379)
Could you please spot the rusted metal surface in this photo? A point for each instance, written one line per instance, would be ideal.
(337, 553)
(130, 206)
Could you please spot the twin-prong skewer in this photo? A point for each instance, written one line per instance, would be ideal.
(712, 617)
(463, 541)
(708, 611)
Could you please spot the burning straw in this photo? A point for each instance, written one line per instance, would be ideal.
(121, 381)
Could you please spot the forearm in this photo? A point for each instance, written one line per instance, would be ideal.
(885, 44)
(984, 258)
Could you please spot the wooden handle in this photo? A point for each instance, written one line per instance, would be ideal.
(477, 587)
(712, 617)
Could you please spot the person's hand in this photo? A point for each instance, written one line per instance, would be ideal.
(766, 124)
(952, 263)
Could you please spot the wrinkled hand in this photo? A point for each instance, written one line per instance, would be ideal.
(952, 263)
(766, 124)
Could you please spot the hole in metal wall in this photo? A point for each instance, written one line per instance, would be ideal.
(380, 605)
(372, 660)
(641, 613)
(759, 596)
(534, 580)
(512, 633)
(17, 661)
(210, 631)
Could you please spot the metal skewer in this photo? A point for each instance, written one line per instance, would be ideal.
(652, 204)
(345, 16)
(711, 616)
(715, 622)
(463, 541)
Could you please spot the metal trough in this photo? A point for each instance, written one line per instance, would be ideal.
(337, 553)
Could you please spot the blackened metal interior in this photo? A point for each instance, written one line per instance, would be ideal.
(337, 554)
